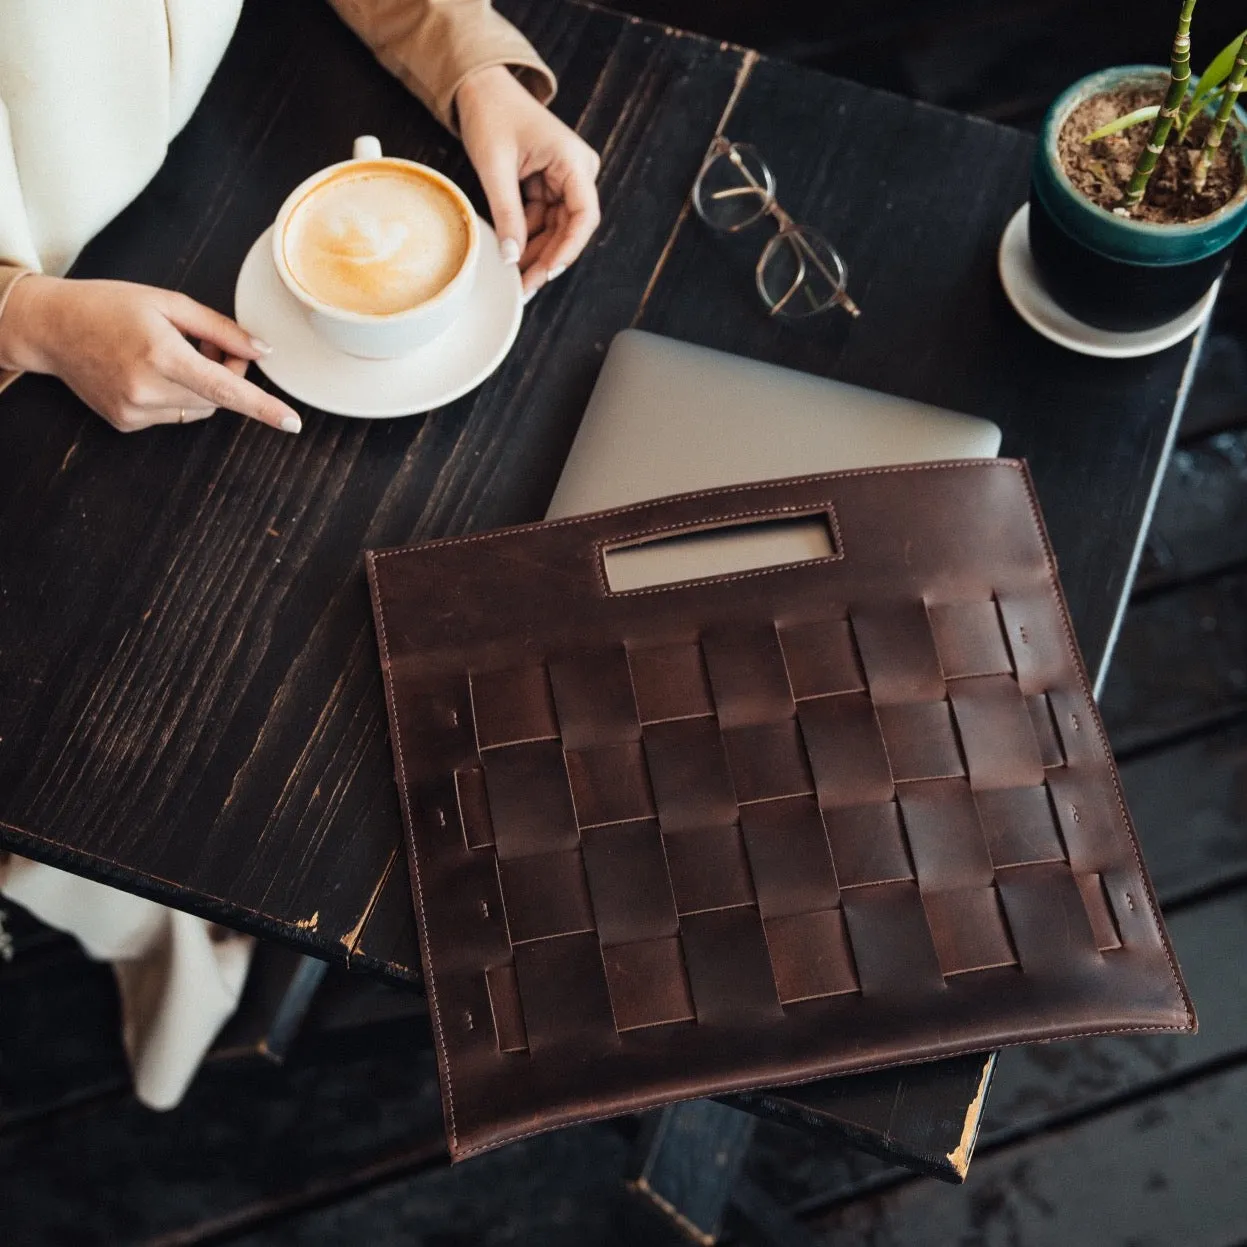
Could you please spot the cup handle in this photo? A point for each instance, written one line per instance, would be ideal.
(367, 147)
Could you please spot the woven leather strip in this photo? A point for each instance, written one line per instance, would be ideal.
(762, 828)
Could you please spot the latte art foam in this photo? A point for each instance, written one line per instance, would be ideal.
(377, 241)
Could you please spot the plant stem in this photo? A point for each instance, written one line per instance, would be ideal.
(1179, 76)
(1229, 97)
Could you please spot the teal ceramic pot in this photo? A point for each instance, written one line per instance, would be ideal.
(1111, 271)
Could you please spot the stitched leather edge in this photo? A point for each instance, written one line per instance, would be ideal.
(443, 1058)
(815, 509)
(1016, 465)
(765, 1082)
(1085, 684)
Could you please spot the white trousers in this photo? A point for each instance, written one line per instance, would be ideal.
(179, 977)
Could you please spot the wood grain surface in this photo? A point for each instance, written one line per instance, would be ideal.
(1200, 525)
(1139, 1185)
(1181, 664)
(189, 698)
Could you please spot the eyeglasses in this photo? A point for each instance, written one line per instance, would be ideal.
(799, 273)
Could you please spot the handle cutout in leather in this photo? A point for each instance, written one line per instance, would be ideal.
(713, 551)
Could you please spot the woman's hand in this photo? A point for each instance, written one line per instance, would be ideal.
(517, 145)
(123, 349)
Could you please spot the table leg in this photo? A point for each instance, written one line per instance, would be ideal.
(688, 1161)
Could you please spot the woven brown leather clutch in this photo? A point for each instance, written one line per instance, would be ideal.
(764, 827)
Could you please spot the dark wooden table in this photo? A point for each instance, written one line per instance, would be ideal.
(190, 700)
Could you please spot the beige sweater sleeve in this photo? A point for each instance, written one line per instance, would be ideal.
(9, 275)
(432, 45)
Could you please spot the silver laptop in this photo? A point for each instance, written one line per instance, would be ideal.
(668, 417)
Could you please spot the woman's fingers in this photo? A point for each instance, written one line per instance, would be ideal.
(497, 174)
(193, 408)
(534, 218)
(213, 352)
(569, 214)
(211, 326)
(173, 403)
(130, 419)
(123, 349)
(535, 171)
(578, 216)
(538, 242)
(223, 386)
(179, 415)
(533, 253)
(237, 366)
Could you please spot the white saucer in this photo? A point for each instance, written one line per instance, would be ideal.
(1038, 309)
(314, 372)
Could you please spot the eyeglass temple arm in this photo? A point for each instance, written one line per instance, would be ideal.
(842, 295)
(778, 305)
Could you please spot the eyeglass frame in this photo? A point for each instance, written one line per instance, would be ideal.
(788, 228)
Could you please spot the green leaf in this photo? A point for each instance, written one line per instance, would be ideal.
(1124, 123)
(1212, 77)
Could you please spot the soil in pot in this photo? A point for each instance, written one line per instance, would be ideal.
(1101, 170)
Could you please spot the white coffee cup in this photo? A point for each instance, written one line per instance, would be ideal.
(380, 335)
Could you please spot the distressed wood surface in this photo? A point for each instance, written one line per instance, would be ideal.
(687, 1161)
(557, 1190)
(1149, 1175)
(926, 1117)
(1190, 804)
(327, 1152)
(60, 1034)
(1181, 664)
(190, 705)
(189, 697)
(1200, 524)
(1039, 1085)
(248, 1143)
(1218, 401)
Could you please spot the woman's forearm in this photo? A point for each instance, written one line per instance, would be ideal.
(433, 45)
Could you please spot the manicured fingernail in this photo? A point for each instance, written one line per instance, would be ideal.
(291, 424)
(509, 250)
(557, 271)
(261, 346)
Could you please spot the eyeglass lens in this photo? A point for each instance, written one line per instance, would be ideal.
(800, 273)
(734, 189)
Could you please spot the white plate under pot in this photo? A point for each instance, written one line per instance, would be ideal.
(1030, 298)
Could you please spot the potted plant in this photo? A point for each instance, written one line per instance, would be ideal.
(1138, 188)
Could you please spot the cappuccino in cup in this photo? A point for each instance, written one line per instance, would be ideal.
(380, 251)
(376, 238)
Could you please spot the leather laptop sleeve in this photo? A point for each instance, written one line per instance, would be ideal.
(766, 826)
